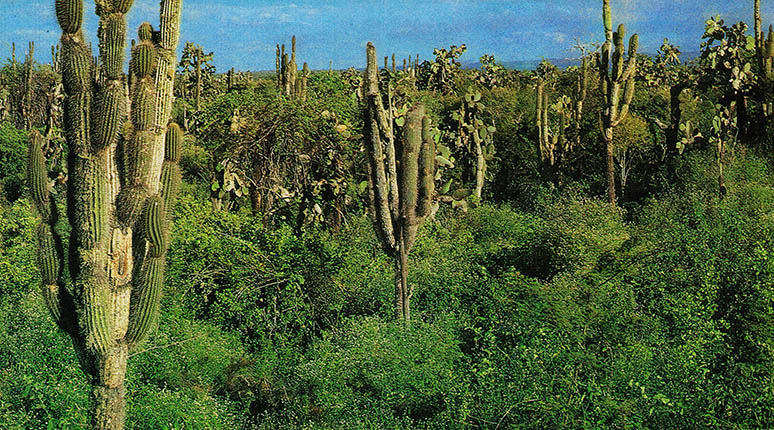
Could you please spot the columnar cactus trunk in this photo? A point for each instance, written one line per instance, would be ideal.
(198, 87)
(278, 66)
(401, 178)
(759, 44)
(25, 109)
(617, 84)
(549, 140)
(117, 208)
(766, 56)
(581, 88)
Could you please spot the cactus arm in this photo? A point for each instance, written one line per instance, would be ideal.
(392, 168)
(538, 116)
(166, 47)
(49, 246)
(375, 129)
(427, 155)
(409, 181)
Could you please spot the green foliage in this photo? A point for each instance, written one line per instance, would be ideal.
(13, 144)
(377, 372)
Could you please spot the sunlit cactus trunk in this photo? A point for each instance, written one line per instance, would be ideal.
(617, 84)
(117, 208)
(581, 88)
(26, 110)
(401, 178)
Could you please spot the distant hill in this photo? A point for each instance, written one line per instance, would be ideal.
(561, 63)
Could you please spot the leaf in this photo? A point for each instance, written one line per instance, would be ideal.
(400, 121)
(443, 161)
(447, 186)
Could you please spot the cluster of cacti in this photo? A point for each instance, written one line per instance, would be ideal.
(490, 74)
(550, 138)
(552, 134)
(288, 80)
(56, 59)
(617, 85)
(117, 207)
(197, 71)
(441, 74)
(401, 177)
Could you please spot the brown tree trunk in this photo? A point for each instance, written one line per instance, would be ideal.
(109, 400)
(610, 166)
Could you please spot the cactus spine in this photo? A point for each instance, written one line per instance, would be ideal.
(617, 83)
(401, 178)
(113, 256)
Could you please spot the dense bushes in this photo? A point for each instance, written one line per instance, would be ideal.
(13, 153)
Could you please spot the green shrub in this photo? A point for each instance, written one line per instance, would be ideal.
(13, 161)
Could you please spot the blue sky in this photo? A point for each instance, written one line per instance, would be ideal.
(243, 33)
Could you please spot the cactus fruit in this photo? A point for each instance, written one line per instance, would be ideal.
(400, 199)
(117, 255)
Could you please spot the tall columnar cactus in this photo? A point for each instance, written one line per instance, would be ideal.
(288, 79)
(289, 70)
(117, 208)
(767, 57)
(401, 178)
(581, 88)
(302, 83)
(760, 47)
(550, 138)
(25, 108)
(278, 67)
(617, 85)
